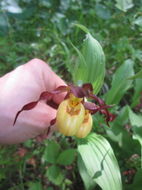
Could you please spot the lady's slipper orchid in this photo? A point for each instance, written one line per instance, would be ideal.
(73, 113)
(70, 116)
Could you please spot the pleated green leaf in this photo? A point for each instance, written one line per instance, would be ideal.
(91, 63)
(124, 5)
(88, 182)
(100, 162)
(120, 82)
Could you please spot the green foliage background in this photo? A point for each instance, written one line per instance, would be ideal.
(45, 29)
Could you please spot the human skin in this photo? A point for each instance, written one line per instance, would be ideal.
(19, 87)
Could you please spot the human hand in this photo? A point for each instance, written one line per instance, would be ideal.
(19, 87)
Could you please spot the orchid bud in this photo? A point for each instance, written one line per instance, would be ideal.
(70, 115)
(86, 126)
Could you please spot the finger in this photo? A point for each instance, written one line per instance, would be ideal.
(39, 117)
(51, 80)
(28, 125)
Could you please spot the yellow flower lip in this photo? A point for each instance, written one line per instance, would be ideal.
(69, 119)
(86, 126)
(73, 100)
(73, 119)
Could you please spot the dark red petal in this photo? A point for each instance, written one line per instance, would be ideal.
(103, 109)
(67, 96)
(61, 89)
(26, 107)
(88, 87)
(90, 106)
(53, 121)
(52, 104)
(48, 95)
(77, 91)
(97, 99)
(81, 92)
(109, 116)
(93, 107)
(43, 96)
(48, 131)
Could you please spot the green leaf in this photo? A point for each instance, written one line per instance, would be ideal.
(28, 143)
(136, 122)
(4, 24)
(89, 183)
(138, 21)
(82, 28)
(124, 5)
(51, 152)
(137, 184)
(91, 64)
(66, 157)
(45, 3)
(3, 174)
(50, 188)
(135, 119)
(102, 11)
(55, 175)
(137, 135)
(81, 58)
(120, 83)
(137, 75)
(137, 92)
(118, 134)
(100, 162)
(35, 186)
